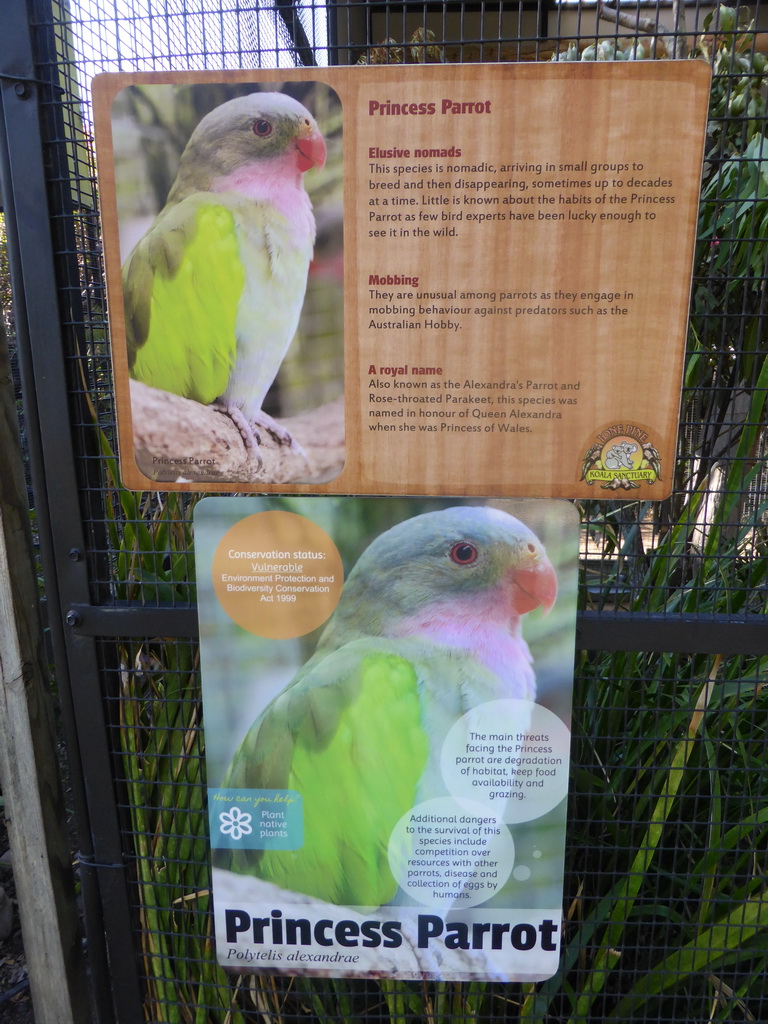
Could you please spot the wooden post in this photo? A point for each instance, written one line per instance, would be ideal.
(29, 773)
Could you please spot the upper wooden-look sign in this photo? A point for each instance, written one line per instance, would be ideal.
(495, 301)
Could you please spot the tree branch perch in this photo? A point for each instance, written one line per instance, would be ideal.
(674, 43)
(176, 439)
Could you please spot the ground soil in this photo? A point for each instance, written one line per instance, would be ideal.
(17, 1008)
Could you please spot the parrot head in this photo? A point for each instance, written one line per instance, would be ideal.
(458, 569)
(248, 142)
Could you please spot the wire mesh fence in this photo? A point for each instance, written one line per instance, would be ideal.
(665, 910)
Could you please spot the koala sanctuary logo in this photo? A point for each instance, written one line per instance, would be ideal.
(622, 456)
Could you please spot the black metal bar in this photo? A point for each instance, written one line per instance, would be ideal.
(128, 621)
(542, 20)
(90, 901)
(684, 634)
(333, 32)
(617, 631)
(290, 15)
(43, 369)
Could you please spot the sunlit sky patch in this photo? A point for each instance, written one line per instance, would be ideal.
(188, 35)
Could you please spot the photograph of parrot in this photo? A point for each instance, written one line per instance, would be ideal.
(428, 626)
(214, 290)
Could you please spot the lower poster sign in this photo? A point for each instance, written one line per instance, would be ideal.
(387, 692)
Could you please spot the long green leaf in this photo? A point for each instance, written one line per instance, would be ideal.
(704, 953)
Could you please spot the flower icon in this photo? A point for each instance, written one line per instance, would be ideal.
(235, 823)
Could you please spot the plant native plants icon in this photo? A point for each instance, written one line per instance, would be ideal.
(236, 823)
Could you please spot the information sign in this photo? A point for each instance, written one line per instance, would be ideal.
(387, 753)
(411, 279)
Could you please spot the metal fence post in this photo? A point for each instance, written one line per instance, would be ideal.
(44, 377)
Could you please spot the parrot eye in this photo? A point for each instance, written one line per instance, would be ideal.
(463, 553)
(262, 128)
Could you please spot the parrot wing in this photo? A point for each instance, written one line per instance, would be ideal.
(353, 734)
(182, 286)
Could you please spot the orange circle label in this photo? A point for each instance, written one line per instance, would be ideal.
(277, 574)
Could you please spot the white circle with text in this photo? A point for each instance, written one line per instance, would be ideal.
(511, 755)
(451, 853)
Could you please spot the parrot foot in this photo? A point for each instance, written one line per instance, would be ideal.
(251, 437)
(280, 434)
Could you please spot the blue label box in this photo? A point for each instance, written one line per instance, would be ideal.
(256, 819)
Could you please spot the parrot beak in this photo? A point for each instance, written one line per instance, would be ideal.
(535, 584)
(311, 149)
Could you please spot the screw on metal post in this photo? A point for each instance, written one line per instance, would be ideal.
(22, 84)
(73, 618)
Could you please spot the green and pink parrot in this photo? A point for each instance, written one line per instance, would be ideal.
(214, 289)
(428, 627)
